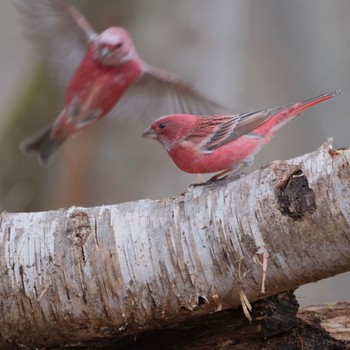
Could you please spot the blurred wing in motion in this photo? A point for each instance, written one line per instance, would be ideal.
(60, 32)
(160, 93)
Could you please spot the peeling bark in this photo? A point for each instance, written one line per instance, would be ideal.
(77, 274)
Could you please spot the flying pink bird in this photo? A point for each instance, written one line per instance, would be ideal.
(225, 143)
(108, 70)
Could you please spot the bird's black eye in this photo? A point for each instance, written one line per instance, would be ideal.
(161, 125)
(118, 46)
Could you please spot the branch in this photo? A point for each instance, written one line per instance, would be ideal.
(78, 274)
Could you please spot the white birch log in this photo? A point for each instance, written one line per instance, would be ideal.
(79, 274)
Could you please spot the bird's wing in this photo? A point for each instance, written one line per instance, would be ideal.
(60, 32)
(159, 93)
(220, 130)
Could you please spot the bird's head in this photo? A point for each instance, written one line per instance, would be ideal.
(170, 129)
(113, 47)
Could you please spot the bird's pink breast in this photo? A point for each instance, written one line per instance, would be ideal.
(101, 86)
(191, 160)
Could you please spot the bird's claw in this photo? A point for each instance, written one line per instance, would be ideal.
(214, 179)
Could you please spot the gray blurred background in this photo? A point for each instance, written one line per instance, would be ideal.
(244, 54)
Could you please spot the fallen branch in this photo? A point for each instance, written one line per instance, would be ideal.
(77, 275)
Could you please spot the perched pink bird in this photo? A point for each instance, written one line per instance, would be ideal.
(207, 144)
(107, 67)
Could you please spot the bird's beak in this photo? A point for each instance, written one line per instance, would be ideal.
(104, 53)
(149, 134)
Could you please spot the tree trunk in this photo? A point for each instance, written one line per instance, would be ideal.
(78, 275)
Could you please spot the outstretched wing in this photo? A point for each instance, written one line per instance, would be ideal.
(60, 32)
(159, 93)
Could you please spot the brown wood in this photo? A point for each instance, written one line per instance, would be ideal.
(276, 325)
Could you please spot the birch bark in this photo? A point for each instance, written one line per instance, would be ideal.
(82, 274)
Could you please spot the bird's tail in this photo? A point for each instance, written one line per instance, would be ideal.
(315, 100)
(42, 144)
(282, 115)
